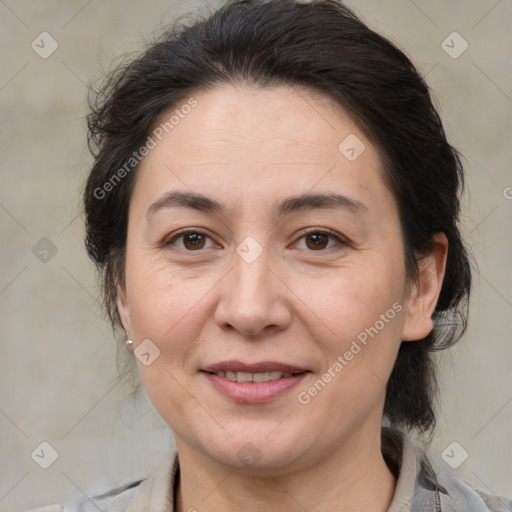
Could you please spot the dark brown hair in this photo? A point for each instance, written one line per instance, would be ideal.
(320, 44)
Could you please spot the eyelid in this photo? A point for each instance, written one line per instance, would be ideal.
(326, 231)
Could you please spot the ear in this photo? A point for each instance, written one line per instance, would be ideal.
(424, 294)
(123, 308)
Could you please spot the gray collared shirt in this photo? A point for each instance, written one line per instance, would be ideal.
(421, 486)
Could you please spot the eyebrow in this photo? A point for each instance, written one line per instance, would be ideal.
(284, 207)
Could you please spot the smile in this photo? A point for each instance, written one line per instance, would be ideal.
(253, 377)
(253, 388)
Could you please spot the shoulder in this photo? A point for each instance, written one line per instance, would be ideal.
(457, 494)
(462, 495)
(116, 500)
(495, 503)
(153, 493)
(424, 483)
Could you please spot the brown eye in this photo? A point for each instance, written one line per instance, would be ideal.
(318, 240)
(192, 240)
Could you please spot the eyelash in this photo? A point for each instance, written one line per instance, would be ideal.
(339, 240)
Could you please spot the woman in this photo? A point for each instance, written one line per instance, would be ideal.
(274, 209)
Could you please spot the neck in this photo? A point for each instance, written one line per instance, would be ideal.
(352, 478)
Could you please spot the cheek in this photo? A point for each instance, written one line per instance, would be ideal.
(364, 313)
(357, 297)
(160, 298)
(359, 357)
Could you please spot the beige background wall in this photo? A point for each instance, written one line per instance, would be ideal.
(57, 359)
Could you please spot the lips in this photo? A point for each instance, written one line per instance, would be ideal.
(254, 392)
(253, 383)
(260, 367)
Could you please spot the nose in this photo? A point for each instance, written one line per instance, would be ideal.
(254, 298)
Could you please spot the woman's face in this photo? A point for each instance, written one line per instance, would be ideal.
(249, 284)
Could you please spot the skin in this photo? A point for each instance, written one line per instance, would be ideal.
(297, 302)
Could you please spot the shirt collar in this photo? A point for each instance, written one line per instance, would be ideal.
(157, 492)
(416, 487)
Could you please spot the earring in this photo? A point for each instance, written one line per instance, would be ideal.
(128, 343)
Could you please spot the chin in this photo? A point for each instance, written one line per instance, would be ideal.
(257, 454)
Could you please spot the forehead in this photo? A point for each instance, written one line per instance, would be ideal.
(245, 142)
(278, 119)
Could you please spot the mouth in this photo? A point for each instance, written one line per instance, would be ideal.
(254, 377)
(253, 382)
(263, 371)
